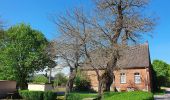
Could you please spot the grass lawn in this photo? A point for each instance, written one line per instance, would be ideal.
(59, 89)
(80, 96)
(135, 95)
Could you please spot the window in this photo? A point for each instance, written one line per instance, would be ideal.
(137, 78)
(122, 78)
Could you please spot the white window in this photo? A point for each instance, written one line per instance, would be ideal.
(122, 78)
(137, 78)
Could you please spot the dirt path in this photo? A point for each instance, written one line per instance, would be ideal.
(166, 96)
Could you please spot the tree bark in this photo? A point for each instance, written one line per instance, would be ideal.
(70, 82)
(108, 75)
(49, 77)
(100, 88)
(22, 85)
(108, 80)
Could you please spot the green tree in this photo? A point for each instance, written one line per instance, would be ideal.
(82, 82)
(161, 73)
(22, 53)
(60, 79)
(40, 79)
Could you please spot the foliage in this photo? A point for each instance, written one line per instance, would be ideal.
(60, 79)
(22, 53)
(49, 95)
(37, 95)
(40, 79)
(134, 95)
(161, 73)
(82, 83)
(6, 73)
(159, 92)
(31, 95)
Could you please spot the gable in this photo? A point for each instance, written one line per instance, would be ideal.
(134, 57)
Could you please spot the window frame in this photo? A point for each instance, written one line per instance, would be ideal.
(137, 76)
(123, 75)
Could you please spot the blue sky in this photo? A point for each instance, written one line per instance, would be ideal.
(37, 13)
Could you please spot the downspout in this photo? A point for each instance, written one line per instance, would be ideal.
(146, 79)
(148, 69)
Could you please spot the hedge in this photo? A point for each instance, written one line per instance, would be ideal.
(49, 95)
(37, 95)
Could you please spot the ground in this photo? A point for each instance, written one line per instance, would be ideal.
(166, 96)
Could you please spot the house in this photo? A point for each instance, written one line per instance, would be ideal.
(133, 70)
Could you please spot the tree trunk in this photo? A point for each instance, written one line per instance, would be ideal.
(100, 90)
(49, 77)
(115, 55)
(23, 85)
(108, 77)
(70, 82)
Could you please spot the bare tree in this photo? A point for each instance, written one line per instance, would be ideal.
(97, 59)
(120, 22)
(70, 45)
(98, 40)
(51, 51)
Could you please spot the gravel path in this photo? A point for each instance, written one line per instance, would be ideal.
(163, 97)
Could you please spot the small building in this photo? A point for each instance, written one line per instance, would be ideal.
(7, 87)
(133, 70)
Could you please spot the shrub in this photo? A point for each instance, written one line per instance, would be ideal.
(37, 95)
(160, 75)
(40, 79)
(74, 97)
(60, 79)
(31, 95)
(82, 83)
(49, 95)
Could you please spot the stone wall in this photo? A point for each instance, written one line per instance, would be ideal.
(40, 87)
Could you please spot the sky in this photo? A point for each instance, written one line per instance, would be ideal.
(37, 13)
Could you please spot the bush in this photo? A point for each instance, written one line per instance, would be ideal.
(49, 95)
(40, 79)
(60, 79)
(82, 83)
(161, 74)
(37, 95)
(31, 95)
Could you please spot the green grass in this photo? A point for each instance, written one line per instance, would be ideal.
(59, 89)
(134, 95)
(80, 96)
